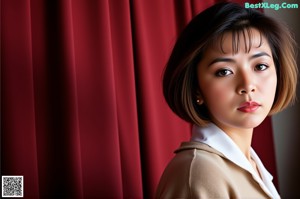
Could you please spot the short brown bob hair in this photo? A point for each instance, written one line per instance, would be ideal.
(180, 82)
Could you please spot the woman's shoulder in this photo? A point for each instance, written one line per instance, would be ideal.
(199, 159)
(195, 166)
(191, 155)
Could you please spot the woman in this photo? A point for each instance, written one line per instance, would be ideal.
(230, 68)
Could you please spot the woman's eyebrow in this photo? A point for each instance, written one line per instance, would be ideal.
(221, 59)
(226, 59)
(259, 55)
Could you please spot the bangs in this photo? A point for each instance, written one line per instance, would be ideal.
(241, 36)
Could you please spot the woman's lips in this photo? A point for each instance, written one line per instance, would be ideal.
(248, 107)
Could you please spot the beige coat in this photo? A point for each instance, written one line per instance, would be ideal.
(199, 171)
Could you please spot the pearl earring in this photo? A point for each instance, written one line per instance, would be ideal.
(199, 101)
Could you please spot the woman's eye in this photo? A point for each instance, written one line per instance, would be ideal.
(223, 72)
(261, 67)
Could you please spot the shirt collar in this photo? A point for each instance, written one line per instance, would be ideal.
(216, 138)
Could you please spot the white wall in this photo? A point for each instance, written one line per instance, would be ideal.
(286, 124)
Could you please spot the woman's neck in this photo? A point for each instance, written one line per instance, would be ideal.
(241, 137)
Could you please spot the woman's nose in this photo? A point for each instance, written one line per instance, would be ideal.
(246, 84)
(246, 90)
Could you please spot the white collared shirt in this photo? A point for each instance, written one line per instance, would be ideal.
(219, 140)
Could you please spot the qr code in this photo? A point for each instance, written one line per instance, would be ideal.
(12, 186)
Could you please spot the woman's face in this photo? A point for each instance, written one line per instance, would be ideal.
(238, 88)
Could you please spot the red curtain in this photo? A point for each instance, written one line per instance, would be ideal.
(82, 111)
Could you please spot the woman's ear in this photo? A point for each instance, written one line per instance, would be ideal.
(199, 98)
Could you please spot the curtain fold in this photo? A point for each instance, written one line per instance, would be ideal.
(152, 44)
(83, 115)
